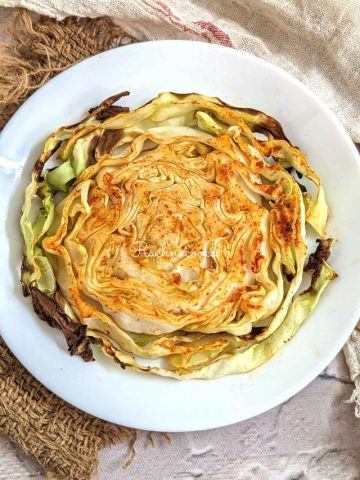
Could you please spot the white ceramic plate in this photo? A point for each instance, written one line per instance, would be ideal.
(150, 402)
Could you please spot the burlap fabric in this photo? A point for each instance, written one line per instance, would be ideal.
(64, 440)
(42, 48)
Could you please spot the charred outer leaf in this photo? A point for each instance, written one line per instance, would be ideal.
(51, 312)
(316, 259)
(268, 125)
(107, 104)
(110, 112)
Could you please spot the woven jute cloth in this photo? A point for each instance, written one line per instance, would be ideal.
(41, 47)
(64, 440)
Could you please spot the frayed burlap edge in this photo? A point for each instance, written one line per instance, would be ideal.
(45, 47)
(64, 440)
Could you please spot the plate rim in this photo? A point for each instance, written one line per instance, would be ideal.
(297, 386)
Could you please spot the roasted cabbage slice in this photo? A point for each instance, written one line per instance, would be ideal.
(174, 232)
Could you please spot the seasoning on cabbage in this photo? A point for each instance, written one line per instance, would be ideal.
(173, 232)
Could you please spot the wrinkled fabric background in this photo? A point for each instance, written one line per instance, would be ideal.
(352, 355)
(317, 41)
